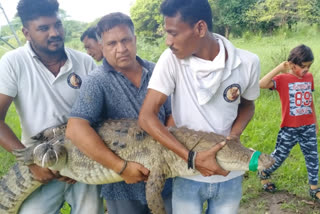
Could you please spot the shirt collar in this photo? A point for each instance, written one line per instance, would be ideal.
(233, 59)
(64, 69)
(108, 67)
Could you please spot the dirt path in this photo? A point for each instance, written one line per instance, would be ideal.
(280, 202)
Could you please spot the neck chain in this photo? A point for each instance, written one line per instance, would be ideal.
(54, 67)
(49, 63)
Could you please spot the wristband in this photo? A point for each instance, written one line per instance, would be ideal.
(194, 160)
(190, 159)
(253, 165)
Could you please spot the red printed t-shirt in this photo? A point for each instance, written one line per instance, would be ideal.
(296, 99)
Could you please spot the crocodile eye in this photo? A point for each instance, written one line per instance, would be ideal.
(115, 143)
(122, 146)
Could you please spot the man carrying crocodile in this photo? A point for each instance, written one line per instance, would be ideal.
(42, 78)
(213, 87)
(116, 90)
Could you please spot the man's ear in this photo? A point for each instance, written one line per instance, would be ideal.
(25, 32)
(202, 28)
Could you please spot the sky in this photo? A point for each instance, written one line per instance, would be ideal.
(81, 10)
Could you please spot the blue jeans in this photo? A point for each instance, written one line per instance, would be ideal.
(189, 196)
(135, 206)
(50, 197)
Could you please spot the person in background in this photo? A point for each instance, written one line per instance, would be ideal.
(295, 85)
(43, 78)
(116, 90)
(91, 44)
(213, 87)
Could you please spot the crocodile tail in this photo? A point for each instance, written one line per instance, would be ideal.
(15, 187)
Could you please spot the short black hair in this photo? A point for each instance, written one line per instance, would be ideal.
(29, 10)
(91, 33)
(112, 20)
(191, 11)
(300, 54)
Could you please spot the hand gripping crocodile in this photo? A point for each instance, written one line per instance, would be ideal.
(131, 143)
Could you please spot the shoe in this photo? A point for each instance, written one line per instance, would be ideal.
(269, 186)
(313, 194)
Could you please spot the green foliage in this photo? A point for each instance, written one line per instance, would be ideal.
(6, 158)
(269, 15)
(309, 11)
(147, 19)
(229, 15)
(150, 50)
(7, 34)
(73, 29)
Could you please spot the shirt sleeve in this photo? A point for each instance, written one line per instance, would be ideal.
(8, 77)
(252, 92)
(89, 103)
(163, 77)
(276, 82)
(167, 106)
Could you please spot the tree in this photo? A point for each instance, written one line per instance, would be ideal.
(278, 13)
(309, 11)
(147, 19)
(228, 15)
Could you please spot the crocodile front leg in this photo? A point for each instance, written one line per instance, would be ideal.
(154, 187)
(25, 156)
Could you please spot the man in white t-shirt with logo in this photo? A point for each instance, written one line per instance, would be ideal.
(213, 87)
(43, 78)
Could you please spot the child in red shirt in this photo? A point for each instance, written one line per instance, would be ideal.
(299, 124)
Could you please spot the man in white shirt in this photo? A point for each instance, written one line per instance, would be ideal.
(43, 78)
(213, 87)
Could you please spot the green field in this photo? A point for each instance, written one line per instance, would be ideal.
(262, 131)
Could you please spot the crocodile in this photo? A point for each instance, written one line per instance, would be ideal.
(124, 137)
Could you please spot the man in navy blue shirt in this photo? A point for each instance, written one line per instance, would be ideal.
(116, 90)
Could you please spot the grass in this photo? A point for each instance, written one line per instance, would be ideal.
(262, 131)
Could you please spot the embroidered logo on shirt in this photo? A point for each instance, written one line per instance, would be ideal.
(232, 92)
(74, 81)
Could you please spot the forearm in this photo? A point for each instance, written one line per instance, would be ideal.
(170, 121)
(8, 140)
(149, 121)
(245, 113)
(266, 81)
(152, 125)
(90, 143)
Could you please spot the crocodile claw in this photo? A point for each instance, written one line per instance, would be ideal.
(25, 155)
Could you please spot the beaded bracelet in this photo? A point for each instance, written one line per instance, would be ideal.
(123, 167)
